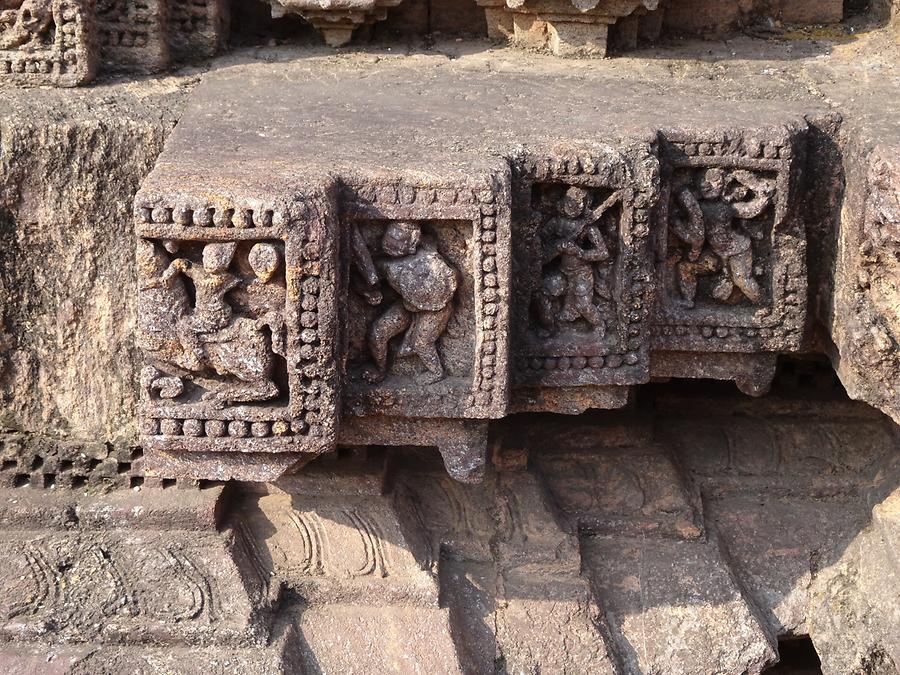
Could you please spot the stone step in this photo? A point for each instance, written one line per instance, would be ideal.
(281, 656)
(142, 508)
(111, 586)
(674, 607)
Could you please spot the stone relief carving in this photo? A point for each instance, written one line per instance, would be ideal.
(223, 333)
(731, 252)
(710, 236)
(426, 319)
(26, 24)
(582, 224)
(231, 325)
(413, 285)
(576, 261)
(60, 42)
(47, 42)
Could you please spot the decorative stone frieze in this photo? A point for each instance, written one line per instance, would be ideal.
(565, 27)
(336, 21)
(349, 295)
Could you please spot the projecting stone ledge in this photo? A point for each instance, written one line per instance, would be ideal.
(386, 273)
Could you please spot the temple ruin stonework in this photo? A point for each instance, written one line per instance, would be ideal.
(409, 336)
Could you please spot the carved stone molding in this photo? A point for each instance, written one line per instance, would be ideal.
(48, 42)
(565, 27)
(336, 21)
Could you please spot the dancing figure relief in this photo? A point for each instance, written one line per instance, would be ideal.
(575, 262)
(714, 244)
(415, 285)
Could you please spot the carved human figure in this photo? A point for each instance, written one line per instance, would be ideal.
(24, 24)
(425, 284)
(212, 337)
(264, 298)
(715, 244)
(573, 237)
(548, 300)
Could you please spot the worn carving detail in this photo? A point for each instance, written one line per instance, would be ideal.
(731, 251)
(197, 28)
(105, 589)
(582, 234)
(47, 42)
(234, 322)
(133, 34)
(336, 23)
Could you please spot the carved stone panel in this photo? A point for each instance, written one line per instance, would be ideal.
(47, 42)
(427, 299)
(133, 34)
(237, 325)
(583, 273)
(730, 250)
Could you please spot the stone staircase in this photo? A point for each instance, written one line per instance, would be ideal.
(650, 542)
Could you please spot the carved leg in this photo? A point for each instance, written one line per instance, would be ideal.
(687, 283)
(584, 303)
(740, 268)
(426, 330)
(390, 324)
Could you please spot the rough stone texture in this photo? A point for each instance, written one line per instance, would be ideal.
(866, 323)
(67, 323)
(715, 18)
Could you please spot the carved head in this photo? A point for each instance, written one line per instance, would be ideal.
(574, 202)
(711, 183)
(401, 238)
(217, 257)
(264, 260)
(151, 261)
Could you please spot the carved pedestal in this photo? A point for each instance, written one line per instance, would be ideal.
(566, 27)
(335, 22)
